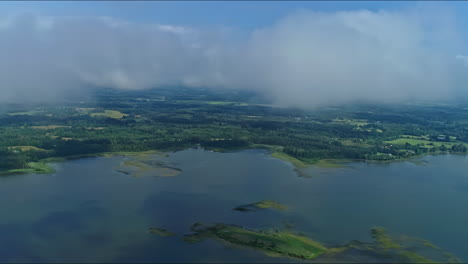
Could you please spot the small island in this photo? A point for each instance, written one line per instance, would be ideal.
(160, 232)
(272, 243)
(265, 204)
(145, 165)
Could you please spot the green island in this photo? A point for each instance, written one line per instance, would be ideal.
(277, 243)
(271, 243)
(160, 232)
(171, 119)
(144, 164)
(265, 204)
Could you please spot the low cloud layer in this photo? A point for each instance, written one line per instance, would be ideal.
(307, 59)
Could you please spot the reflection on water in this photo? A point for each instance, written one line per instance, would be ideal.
(88, 212)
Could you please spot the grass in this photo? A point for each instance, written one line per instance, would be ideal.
(140, 167)
(109, 113)
(413, 141)
(160, 232)
(270, 204)
(353, 122)
(322, 163)
(287, 244)
(355, 144)
(423, 137)
(50, 127)
(331, 163)
(282, 244)
(419, 141)
(41, 167)
(32, 112)
(296, 162)
(26, 148)
(412, 257)
(144, 165)
(32, 167)
(381, 237)
(265, 204)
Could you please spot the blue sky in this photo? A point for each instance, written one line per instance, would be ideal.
(239, 14)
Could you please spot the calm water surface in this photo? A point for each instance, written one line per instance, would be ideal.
(89, 212)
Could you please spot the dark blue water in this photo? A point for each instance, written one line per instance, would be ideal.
(88, 212)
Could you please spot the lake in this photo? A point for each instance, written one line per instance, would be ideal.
(88, 211)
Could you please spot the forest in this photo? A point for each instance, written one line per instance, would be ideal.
(171, 119)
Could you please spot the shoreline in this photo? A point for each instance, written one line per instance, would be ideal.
(43, 167)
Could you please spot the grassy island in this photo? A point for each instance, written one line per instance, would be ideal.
(265, 204)
(141, 165)
(277, 243)
(269, 242)
(160, 232)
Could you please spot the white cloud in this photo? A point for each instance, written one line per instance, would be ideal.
(306, 59)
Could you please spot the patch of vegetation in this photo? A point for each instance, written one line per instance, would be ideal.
(110, 113)
(31, 167)
(353, 122)
(141, 165)
(28, 113)
(271, 243)
(278, 243)
(26, 148)
(412, 257)
(160, 232)
(331, 163)
(50, 127)
(380, 235)
(296, 162)
(265, 204)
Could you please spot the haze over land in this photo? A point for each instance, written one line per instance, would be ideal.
(305, 59)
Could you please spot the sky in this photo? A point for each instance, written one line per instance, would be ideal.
(301, 53)
(241, 14)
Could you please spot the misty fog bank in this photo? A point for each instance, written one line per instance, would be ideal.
(306, 59)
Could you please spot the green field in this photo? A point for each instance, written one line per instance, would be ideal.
(353, 122)
(32, 112)
(26, 148)
(110, 113)
(50, 127)
(423, 142)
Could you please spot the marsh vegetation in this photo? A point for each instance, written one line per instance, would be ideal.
(265, 204)
(285, 243)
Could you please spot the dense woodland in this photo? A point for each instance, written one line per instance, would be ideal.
(177, 118)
